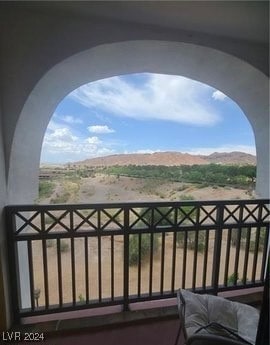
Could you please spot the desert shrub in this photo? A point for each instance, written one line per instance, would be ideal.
(145, 247)
(252, 243)
(148, 216)
(151, 186)
(73, 178)
(191, 212)
(61, 199)
(191, 243)
(235, 234)
(81, 298)
(235, 277)
(232, 278)
(50, 243)
(201, 246)
(84, 173)
(45, 189)
(186, 197)
(64, 247)
(182, 187)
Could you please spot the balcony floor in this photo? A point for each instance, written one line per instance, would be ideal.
(144, 332)
(152, 322)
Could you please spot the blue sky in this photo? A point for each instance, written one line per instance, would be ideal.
(145, 113)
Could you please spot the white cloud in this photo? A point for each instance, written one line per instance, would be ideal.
(61, 145)
(60, 134)
(71, 119)
(218, 95)
(226, 148)
(161, 97)
(100, 129)
(93, 140)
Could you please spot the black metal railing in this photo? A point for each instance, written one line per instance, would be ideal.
(70, 257)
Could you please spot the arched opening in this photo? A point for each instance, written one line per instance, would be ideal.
(145, 119)
(240, 81)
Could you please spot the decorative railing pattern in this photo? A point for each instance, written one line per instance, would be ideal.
(70, 257)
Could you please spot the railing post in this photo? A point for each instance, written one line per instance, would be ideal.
(13, 265)
(217, 248)
(126, 259)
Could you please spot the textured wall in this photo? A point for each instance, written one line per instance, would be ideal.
(4, 298)
(43, 57)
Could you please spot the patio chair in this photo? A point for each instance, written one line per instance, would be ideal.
(212, 320)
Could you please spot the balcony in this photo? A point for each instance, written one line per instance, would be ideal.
(67, 258)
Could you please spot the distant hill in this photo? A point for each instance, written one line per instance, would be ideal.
(170, 159)
(232, 158)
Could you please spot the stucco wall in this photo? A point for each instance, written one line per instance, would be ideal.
(45, 56)
(4, 298)
(247, 86)
(32, 43)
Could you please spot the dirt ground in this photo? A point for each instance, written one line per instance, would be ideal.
(102, 188)
(117, 264)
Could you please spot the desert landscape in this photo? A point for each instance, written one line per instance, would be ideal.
(149, 177)
(106, 188)
(79, 183)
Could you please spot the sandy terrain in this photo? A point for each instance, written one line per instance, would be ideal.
(112, 189)
(115, 189)
(102, 188)
(106, 264)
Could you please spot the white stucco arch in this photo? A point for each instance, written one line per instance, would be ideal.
(247, 86)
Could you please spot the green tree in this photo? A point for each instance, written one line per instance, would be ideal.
(187, 215)
(46, 188)
(252, 242)
(144, 248)
(160, 216)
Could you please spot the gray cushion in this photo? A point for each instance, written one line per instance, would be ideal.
(204, 309)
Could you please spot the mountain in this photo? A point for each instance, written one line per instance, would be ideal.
(231, 158)
(170, 159)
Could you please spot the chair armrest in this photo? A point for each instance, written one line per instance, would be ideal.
(181, 311)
